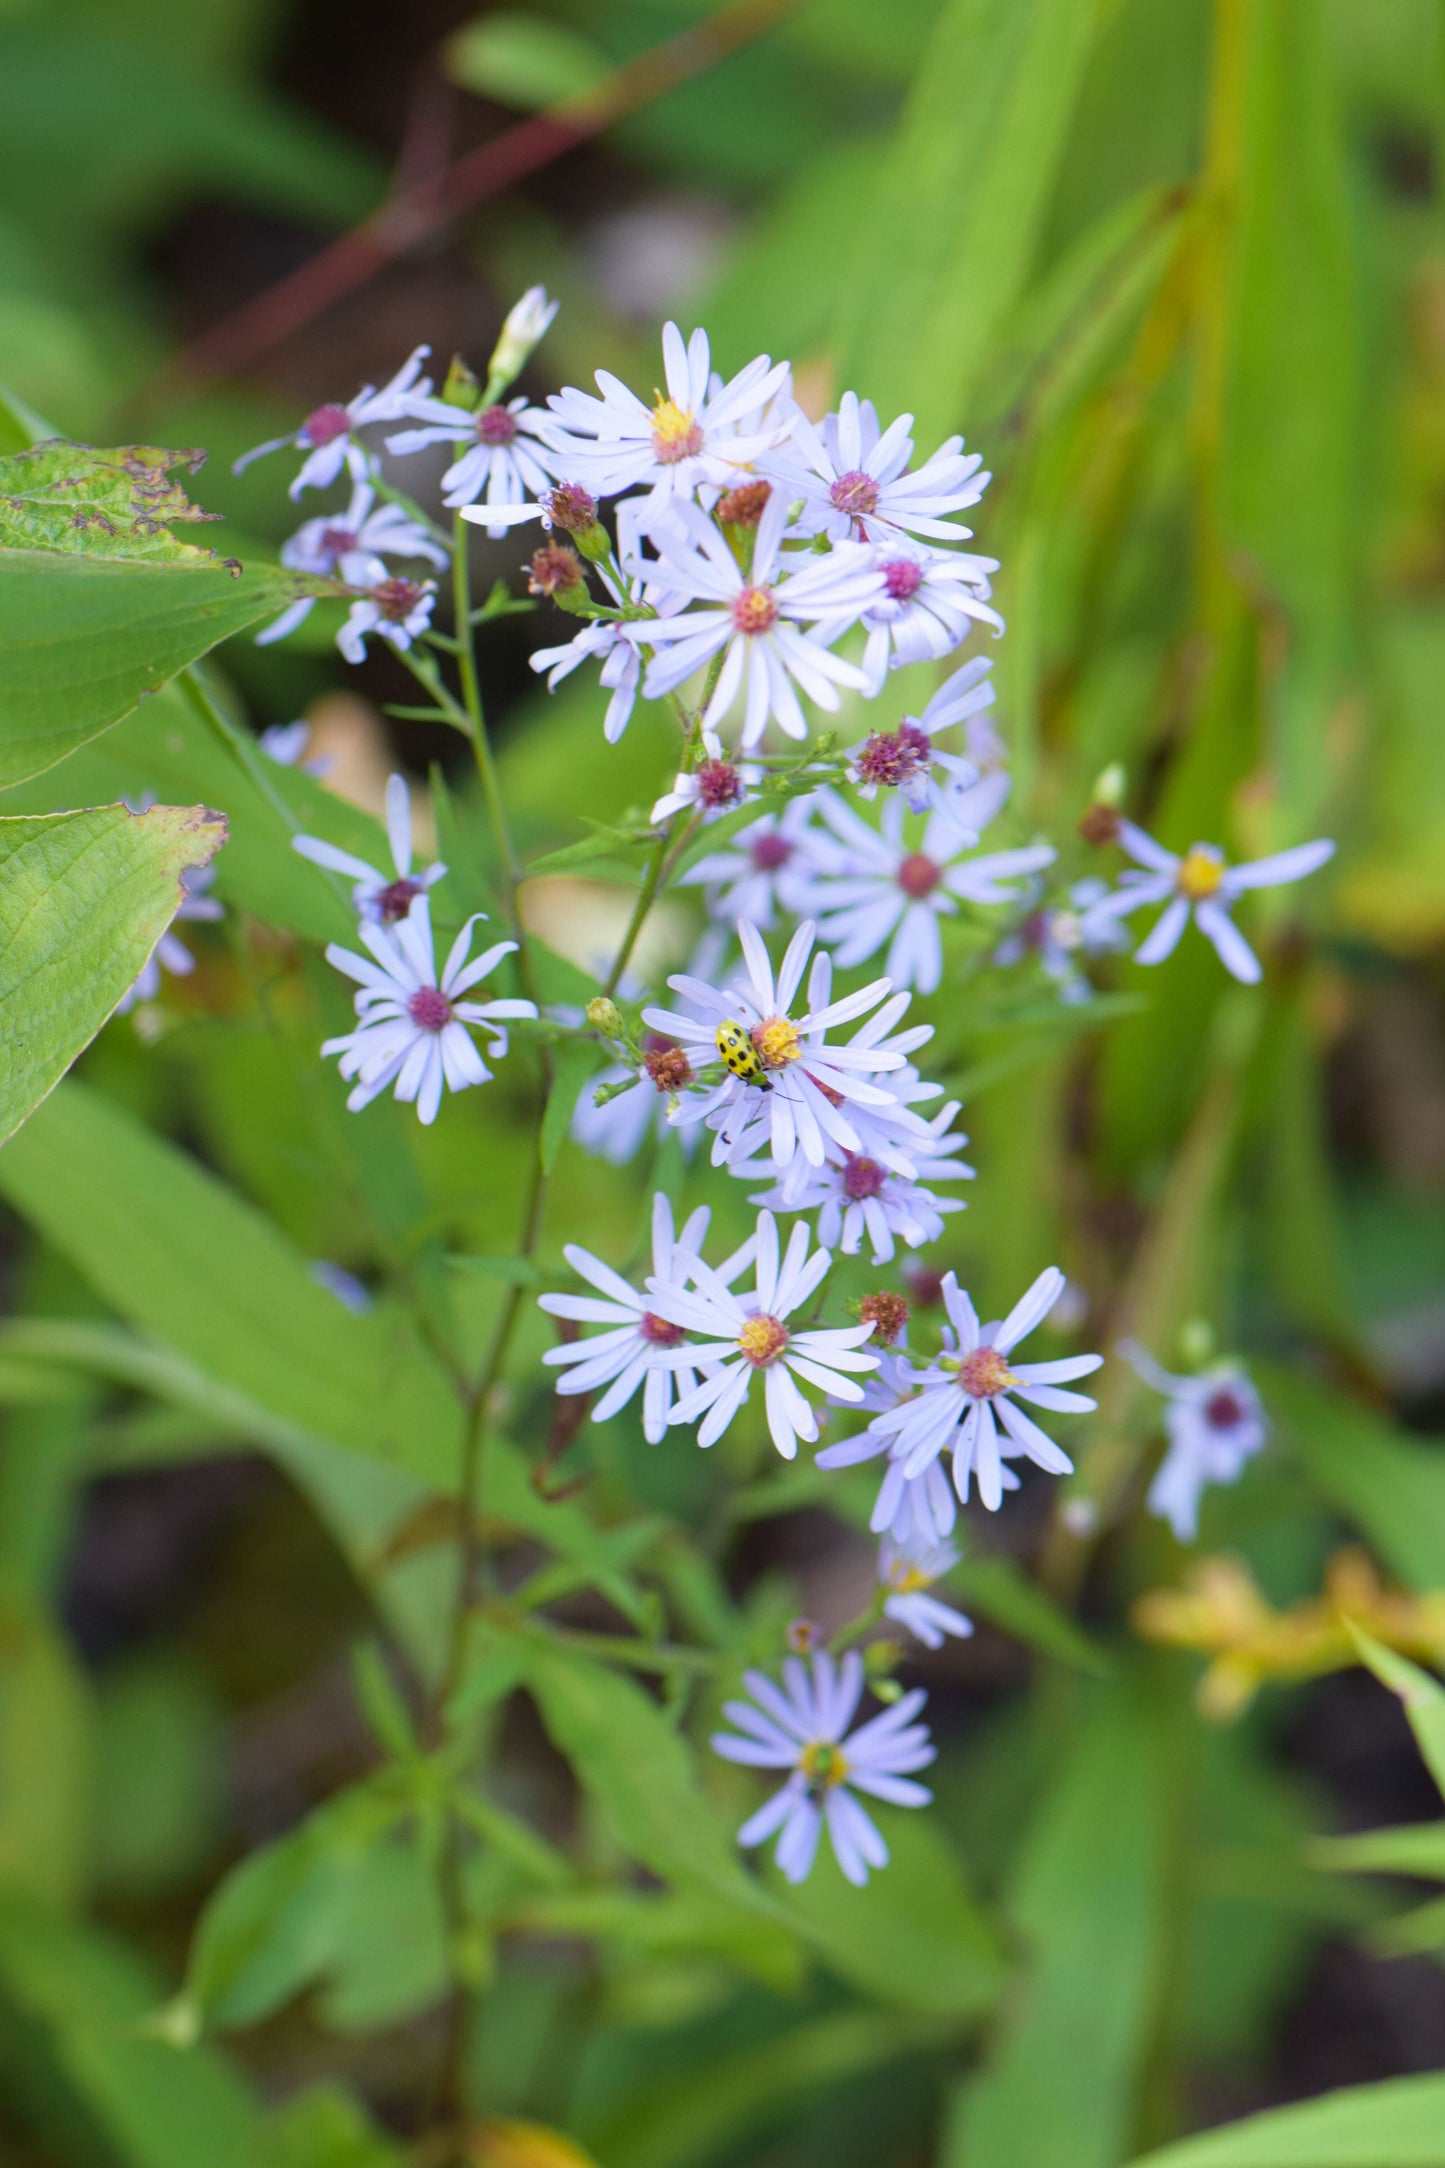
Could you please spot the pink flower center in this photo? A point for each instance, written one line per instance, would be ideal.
(429, 1009)
(891, 757)
(658, 1332)
(984, 1373)
(754, 610)
(326, 425)
(769, 851)
(1034, 932)
(1222, 1410)
(336, 541)
(762, 1340)
(396, 599)
(496, 425)
(919, 875)
(396, 899)
(902, 579)
(676, 433)
(572, 508)
(862, 1178)
(855, 493)
(718, 785)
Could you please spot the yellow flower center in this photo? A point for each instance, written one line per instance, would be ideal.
(1200, 874)
(984, 1373)
(823, 1766)
(909, 1580)
(777, 1042)
(762, 1340)
(676, 433)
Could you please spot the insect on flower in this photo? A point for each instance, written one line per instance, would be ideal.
(740, 1055)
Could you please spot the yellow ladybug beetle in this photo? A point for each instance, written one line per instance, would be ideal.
(740, 1055)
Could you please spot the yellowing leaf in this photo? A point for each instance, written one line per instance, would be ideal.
(108, 504)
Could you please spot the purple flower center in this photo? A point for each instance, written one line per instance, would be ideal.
(891, 757)
(1034, 932)
(396, 599)
(862, 1178)
(429, 1009)
(396, 900)
(769, 851)
(919, 875)
(658, 1332)
(326, 425)
(754, 610)
(718, 785)
(855, 493)
(336, 541)
(1222, 1410)
(902, 579)
(496, 425)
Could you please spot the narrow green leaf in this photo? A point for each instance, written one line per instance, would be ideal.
(1390, 1485)
(576, 1062)
(996, 1588)
(1399, 2124)
(84, 897)
(602, 843)
(1416, 1848)
(1423, 1697)
(523, 60)
(82, 641)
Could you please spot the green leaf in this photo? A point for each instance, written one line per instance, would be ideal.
(84, 897)
(326, 2128)
(102, 505)
(602, 843)
(46, 1764)
(1399, 2124)
(961, 202)
(1058, 2090)
(996, 1587)
(523, 60)
(1391, 1486)
(20, 425)
(575, 1063)
(1423, 1697)
(1415, 1848)
(82, 641)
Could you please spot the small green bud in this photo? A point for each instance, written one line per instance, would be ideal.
(1197, 1342)
(604, 1015)
(1110, 788)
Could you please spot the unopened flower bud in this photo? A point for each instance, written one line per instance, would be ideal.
(556, 570)
(574, 509)
(1100, 824)
(604, 1015)
(526, 321)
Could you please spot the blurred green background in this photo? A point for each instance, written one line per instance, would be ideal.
(1177, 270)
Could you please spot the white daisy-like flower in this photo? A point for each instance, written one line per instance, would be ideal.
(1202, 886)
(908, 1571)
(381, 898)
(328, 434)
(696, 437)
(742, 1334)
(412, 1028)
(760, 871)
(625, 1356)
(348, 545)
(171, 954)
(754, 620)
(921, 1509)
(966, 1394)
(931, 600)
(1215, 1422)
(396, 610)
(907, 759)
(804, 1080)
(803, 1727)
(1059, 934)
(874, 889)
(855, 1196)
(856, 481)
(714, 787)
(502, 451)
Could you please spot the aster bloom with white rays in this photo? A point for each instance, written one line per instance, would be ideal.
(809, 1080)
(328, 434)
(856, 481)
(412, 1022)
(381, 898)
(1059, 934)
(1215, 1423)
(738, 1335)
(1202, 886)
(626, 1355)
(700, 435)
(931, 600)
(966, 1394)
(802, 1726)
(908, 760)
(347, 545)
(502, 450)
(873, 889)
(714, 787)
(169, 953)
(761, 870)
(753, 620)
(618, 1128)
(919, 1510)
(398, 611)
(855, 1196)
(908, 1572)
